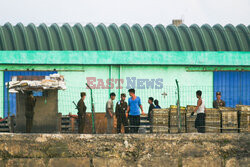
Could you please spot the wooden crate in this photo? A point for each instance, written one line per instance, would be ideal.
(229, 119)
(244, 118)
(65, 124)
(160, 129)
(213, 120)
(4, 126)
(160, 120)
(173, 119)
(174, 129)
(190, 120)
(144, 124)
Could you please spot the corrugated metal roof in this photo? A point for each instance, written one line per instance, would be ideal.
(125, 38)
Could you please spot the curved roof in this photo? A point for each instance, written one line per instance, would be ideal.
(125, 37)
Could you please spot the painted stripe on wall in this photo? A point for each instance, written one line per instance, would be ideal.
(196, 58)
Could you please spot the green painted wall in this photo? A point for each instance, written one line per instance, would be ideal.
(189, 82)
(194, 70)
(75, 82)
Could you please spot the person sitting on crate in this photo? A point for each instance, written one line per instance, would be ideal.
(218, 102)
(29, 112)
(81, 112)
(200, 109)
(156, 102)
(120, 113)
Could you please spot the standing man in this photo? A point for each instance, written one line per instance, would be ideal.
(150, 110)
(110, 113)
(200, 109)
(151, 107)
(133, 112)
(29, 112)
(120, 113)
(81, 112)
(218, 102)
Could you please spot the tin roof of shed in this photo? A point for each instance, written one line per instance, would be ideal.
(125, 37)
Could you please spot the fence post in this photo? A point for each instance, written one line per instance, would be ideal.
(178, 107)
(72, 121)
(8, 99)
(93, 110)
(11, 123)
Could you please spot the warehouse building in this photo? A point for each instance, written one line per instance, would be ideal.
(114, 59)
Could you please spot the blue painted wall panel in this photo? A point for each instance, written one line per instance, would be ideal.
(12, 97)
(245, 81)
(234, 87)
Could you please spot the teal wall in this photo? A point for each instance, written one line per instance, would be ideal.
(189, 82)
(75, 81)
(194, 70)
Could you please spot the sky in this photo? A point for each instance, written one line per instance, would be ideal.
(125, 11)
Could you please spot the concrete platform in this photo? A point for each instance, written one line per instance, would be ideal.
(124, 150)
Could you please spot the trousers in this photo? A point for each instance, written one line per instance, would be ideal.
(134, 123)
(122, 120)
(110, 125)
(81, 123)
(200, 122)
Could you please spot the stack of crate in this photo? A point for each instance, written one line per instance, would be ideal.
(69, 124)
(144, 124)
(173, 115)
(213, 121)
(4, 126)
(229, 119)
(190, 120)
(160, 120)
(244, 118)
(65, 124)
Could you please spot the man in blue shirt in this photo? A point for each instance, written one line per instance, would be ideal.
(133, 111)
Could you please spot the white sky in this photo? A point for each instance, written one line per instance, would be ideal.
(125, 11)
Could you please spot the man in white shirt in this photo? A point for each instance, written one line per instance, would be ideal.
(200, 109)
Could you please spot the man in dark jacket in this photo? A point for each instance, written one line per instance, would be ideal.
(120, 113)
(150, 110)
(151, 107)
(81, 113)
(29, 112)
(218, 102)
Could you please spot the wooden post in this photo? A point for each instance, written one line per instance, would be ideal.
(59, 122)
(72, 122)
(11, 123)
